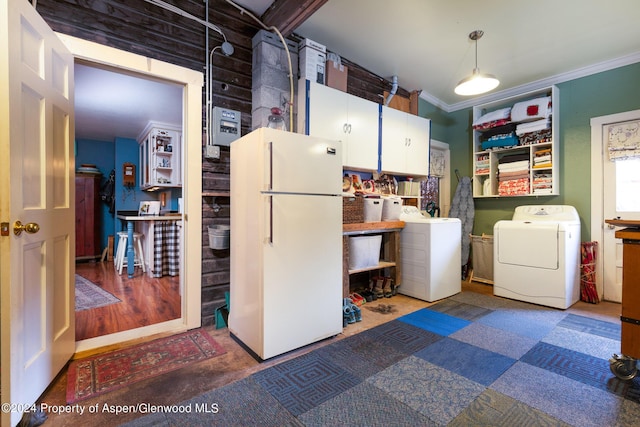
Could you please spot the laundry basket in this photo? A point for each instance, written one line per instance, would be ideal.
(482, 258)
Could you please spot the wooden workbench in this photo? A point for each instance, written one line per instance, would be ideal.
(390, 259)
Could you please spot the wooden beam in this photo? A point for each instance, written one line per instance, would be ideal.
(287, 15)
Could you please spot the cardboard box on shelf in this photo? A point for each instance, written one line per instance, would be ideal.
(336, 75)
(409, 188)
(312, 57)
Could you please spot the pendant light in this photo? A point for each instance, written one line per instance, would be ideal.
(476, 83)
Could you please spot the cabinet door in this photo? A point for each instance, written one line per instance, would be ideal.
(363, 134)
(418, 137)
(328, 113)
(394, 140)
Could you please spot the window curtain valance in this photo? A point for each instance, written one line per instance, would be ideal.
(624, 140)
(436, 163)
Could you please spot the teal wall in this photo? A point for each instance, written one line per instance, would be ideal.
(581, 99)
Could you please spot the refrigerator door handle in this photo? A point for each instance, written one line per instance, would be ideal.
(270, 166)
(269, 238)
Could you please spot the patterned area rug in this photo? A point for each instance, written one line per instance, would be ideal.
(468, 360)
(89, 295)
(110, 371)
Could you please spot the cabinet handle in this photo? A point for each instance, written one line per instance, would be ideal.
(349, 127)
(345, 127)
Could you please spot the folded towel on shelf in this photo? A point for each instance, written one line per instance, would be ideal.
(532, 109)
(505, 175)
(514, 166)
(535, 126)
(492, 119)
(542, 191)
(521, 175)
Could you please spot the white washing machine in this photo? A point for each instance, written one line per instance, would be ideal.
(429, 255)
(537, 256)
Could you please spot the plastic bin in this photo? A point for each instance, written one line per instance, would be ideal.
(364, 251)
(219, 236)
(391, 208)
(373, 209)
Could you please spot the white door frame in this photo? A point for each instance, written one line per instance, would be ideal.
(598, 149)
(191, 246)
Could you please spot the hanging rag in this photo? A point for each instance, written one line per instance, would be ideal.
(107, 192)
(462, 208)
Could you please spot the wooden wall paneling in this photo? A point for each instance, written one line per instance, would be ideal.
(139, 27)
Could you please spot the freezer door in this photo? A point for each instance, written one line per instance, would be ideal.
(296, 163)
(302, 271)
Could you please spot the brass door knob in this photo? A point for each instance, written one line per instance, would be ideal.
(19, 227)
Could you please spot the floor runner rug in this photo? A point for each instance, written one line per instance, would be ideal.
(89, 295)
(110, 371)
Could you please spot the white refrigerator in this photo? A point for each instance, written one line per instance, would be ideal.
(286, 241)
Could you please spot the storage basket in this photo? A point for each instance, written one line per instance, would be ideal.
(364, 251)
(482, 261)
(391, 209)
(373, 209)
(352, 209)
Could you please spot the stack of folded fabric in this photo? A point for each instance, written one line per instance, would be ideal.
(513, 175)
(534, 120)
(542, 183)
(501, 141)
(536, 137)
(482, 164)
(493, 119)
(541, 127)
(531, 110)
(542, 159)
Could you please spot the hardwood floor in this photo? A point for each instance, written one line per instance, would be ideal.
(144, 300)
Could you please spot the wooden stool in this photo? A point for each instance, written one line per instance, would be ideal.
(121, 251)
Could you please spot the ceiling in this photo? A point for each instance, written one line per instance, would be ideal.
(111, 104)
(527, 45)
(426, 42)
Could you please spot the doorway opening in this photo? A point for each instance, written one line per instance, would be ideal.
(186, 286)
(112, 109)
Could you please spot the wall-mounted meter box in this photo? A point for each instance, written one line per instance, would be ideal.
(225, 126)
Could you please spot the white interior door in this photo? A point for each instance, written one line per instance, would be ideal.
(37, 267)
(621, 199)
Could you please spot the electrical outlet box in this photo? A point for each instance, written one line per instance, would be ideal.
(212, 152)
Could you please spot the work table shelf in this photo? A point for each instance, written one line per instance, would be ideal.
(390, 250)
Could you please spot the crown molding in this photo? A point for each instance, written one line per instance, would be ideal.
(536, 85)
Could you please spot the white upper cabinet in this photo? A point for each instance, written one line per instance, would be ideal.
(405, 143)
(332, 114)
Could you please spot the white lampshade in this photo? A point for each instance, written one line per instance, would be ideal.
(476, 84)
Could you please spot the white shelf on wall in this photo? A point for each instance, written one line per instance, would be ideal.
(485, 179)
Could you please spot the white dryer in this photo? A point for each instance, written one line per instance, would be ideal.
(429, 255)
(537, 256)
